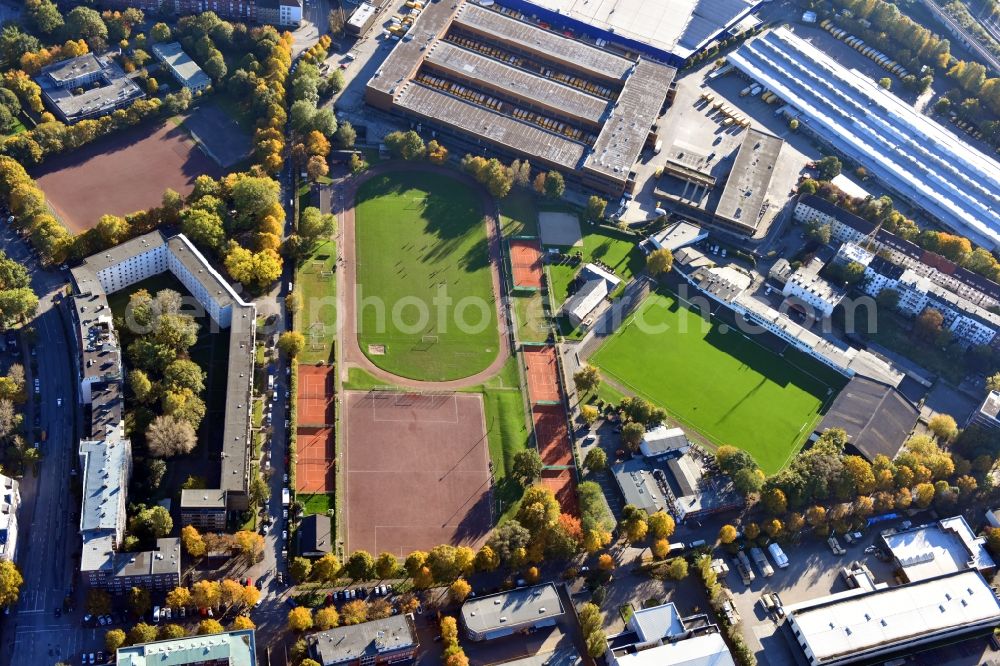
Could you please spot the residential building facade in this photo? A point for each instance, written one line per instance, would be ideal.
(10, 502)
(970, 323)
(281, 13)
(846, 227)
(105, 452)
(392, 640)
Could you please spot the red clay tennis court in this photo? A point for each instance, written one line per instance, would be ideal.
(551, 434)
(561, 483)
(526, 263)
(417, 471)
(542, 374)
(315, 463)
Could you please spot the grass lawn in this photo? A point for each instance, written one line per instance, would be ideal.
(723, 385)
(519, 213)
(423, 270)
(318, 503)
(532, 324)
(895, 333)
(616, 249)
(317, 319)
(507, 435)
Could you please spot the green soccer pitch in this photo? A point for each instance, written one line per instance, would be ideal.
(723, 385)
(418, 236)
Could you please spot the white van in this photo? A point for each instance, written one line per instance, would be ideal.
(156, 614)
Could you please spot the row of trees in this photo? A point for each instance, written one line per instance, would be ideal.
(52, 137)
(244, 543)
(302, 618)
(717, 598)
(882, 25)
(825, 488)
(453, 653)
(213, 594)
(538, 532)
(18, 452)
(500, 178)
(147, 633)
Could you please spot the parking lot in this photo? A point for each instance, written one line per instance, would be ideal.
(814, 571)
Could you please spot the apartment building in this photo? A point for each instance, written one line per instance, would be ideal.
(969, 323)
(281, 13)
(805, 288)
(105, 451)
(845, 227)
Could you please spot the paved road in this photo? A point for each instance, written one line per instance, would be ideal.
(49, 512)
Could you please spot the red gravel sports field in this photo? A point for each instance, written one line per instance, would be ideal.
(121, 174)
(417, 471)
(314, 466)
(542, 374)
(526, 263)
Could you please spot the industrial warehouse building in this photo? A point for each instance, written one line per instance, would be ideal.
(524, 91)
(913, 156)
(507, 613)
(671, 31)
(874, 624)
(741, 204)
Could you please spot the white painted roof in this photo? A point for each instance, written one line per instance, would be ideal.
(705, 650)
(834, 627)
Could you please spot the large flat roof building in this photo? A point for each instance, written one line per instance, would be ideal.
(927, 551)
(877, 418)
(668, 30)
(87, 86)
(909, 153)
(506, 613)
(871, 626)
(744, 199)
(525, 91)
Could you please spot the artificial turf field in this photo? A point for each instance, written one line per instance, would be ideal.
(420, 235)
(723, 385)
